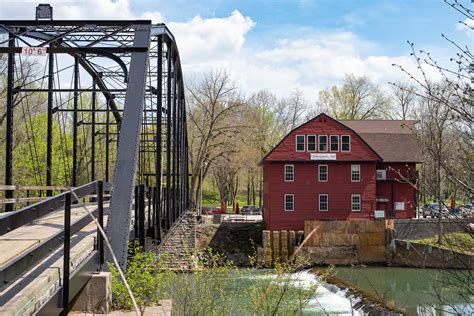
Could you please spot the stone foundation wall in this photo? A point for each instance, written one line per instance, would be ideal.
(347, 242)
(236, 241)
(178, 247)
(278, 246)
(331, 242)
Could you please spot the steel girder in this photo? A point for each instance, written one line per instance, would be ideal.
(148, 109)
(128, 148)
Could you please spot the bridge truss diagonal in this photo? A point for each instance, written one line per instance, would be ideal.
(113, 96)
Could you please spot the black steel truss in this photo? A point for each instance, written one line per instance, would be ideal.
(104, 54)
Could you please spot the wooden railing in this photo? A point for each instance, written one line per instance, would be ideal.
(40, 188)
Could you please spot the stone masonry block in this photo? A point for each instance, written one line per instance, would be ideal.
(96, 297)
(291, 242)
(276, 245)
(284, 245)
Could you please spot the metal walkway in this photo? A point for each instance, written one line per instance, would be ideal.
(122, 121)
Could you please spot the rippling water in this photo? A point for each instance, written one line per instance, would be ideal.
(327, 299)
(416, 291)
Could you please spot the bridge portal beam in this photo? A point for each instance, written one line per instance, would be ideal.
(128, 148)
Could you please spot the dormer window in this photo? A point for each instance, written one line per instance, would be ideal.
(300, 143)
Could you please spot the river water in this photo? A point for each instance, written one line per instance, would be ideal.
(415, 291)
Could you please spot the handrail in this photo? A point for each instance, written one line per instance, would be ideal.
(25, 260)
(34, 187)
(12, 220)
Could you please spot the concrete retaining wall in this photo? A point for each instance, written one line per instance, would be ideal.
(405, 253)
(425, 228)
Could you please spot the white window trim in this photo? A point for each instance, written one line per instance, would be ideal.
(360, 174)
(284, 173)
(330, 144)
(284, 202)
(327, 144)
(296, 143)
(352, 203)
(346, 151)
(315, 143)
(319, 202)
(319, 173)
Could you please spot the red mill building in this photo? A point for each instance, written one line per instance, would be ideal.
(335, 170)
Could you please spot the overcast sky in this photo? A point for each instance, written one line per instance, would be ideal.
(284, 45)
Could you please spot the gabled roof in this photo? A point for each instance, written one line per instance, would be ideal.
(394, 140)
(313, 119)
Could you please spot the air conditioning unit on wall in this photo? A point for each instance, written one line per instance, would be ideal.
(379, 214)
(381, 174)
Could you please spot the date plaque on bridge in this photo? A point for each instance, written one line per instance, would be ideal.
(33, 51)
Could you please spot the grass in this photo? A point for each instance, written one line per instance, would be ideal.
(212, 199)
(460, 242)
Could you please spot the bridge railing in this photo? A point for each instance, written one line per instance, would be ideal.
(26, 194)
(23, 262)
(13, 220)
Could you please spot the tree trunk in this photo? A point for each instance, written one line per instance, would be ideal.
(438, 193)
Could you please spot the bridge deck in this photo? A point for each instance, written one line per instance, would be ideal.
(31, 290)
(23, 239)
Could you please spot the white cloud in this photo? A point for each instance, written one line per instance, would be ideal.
(310, 62)
(466, 26)
(202, 42)
(76, 10)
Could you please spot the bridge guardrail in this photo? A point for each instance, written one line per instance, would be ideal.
(26, 260)
(12, 220)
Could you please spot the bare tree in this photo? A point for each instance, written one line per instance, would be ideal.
(357, 99)
(214, 103)
(296, 107)
(404, 98)
(459, 101)
(446, 117)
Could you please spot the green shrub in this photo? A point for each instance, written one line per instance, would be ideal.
(215, 287)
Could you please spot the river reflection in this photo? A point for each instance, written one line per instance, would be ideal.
(416, 291)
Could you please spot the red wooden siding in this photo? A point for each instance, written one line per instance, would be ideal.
(322, 125)
(339, 187)
(306, 189)
(395, 189)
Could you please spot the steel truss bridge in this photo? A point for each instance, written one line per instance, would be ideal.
(114, 91)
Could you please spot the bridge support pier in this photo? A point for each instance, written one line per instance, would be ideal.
(96, 296)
